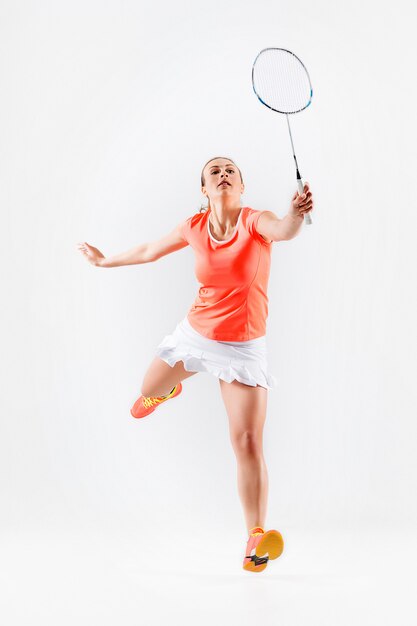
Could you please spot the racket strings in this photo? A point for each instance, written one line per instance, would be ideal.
(281, 81)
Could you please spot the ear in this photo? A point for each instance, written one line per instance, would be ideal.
(203, 191)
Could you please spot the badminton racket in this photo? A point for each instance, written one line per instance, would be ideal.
(281, 82)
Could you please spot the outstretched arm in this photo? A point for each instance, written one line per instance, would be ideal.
(170, 243)
(144, 253)
(136, 255)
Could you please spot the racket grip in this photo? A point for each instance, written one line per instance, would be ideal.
(307, 216)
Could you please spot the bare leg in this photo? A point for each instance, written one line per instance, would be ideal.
(252, 478)
(246, 409)
(160, 377)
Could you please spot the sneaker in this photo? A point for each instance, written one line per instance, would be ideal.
(261, 547)
(145, 405)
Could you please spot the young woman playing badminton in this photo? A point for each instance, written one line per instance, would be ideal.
(224, 332)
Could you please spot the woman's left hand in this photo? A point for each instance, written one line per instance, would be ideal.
(302, 204)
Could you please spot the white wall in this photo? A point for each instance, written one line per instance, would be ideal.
(108, 112)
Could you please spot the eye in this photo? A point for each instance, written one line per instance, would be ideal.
(230, 170)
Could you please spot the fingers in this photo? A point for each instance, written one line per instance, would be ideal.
(306, 189)
(305, 198)
(305, 201)
(84, 248)
(307, 193)
(305, 208)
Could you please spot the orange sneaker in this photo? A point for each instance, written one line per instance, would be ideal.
(145, 405)
(261, 547)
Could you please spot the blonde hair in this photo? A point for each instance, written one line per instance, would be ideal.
(203, 181)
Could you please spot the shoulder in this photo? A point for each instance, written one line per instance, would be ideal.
(191, 223)
(252, 217)
(195, 217)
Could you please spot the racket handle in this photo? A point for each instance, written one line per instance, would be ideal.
(307, 216)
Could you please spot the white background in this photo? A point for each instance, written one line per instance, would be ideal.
(109, 110)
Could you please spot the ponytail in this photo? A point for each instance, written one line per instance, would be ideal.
(203, 209)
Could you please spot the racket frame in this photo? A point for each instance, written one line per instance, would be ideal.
(300, 185)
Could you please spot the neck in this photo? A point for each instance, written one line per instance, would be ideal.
(224, 215)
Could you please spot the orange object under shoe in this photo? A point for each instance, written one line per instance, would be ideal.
(261, 547)
(145, 405)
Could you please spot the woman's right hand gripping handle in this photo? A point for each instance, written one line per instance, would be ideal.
(93, 255)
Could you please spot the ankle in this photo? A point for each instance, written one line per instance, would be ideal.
(256, 529)
(167, 394)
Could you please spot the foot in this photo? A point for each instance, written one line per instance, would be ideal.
(146, 405)
(261, 547)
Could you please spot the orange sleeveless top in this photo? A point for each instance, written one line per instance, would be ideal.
(232, 302)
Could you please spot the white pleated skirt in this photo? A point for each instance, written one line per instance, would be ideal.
(244, 361)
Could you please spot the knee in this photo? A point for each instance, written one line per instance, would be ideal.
(248, 443)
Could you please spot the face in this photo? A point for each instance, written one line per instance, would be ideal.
(222, 178)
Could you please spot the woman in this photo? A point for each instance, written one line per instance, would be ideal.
(224, 332)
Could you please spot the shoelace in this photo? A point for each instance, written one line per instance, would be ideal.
(151, 400)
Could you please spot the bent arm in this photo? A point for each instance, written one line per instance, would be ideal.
(271, 227)
(278, 229)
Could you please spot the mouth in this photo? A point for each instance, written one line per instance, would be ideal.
(223, 183)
